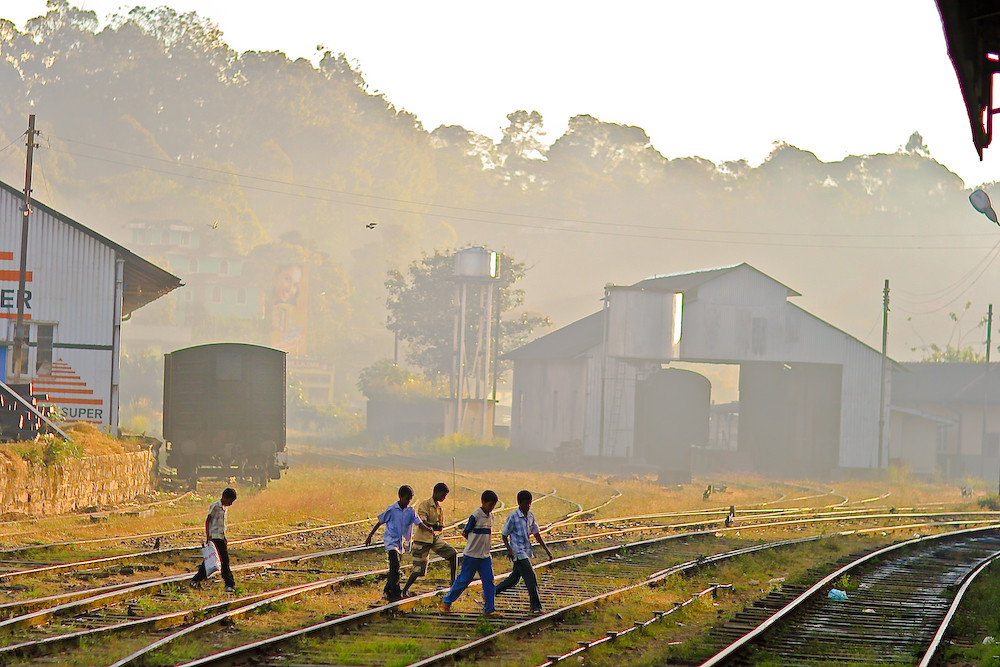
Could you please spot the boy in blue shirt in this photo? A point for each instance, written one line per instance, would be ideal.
(399, 519)
(516, 534)
(476, 557)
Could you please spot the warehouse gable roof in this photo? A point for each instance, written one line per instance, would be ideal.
(578, 337)
(144, 281)
(565, 343)
(684, 282)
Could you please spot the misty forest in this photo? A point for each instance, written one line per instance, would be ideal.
(151, 116)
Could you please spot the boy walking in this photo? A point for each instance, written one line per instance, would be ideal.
(430, 512)
(516, 534)
(399, 519)
(476, 557)
(215, 531)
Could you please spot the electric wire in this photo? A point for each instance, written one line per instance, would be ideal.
(429, 205)
(16, 139)
(957, 296)
(535, 227)
(938, 294)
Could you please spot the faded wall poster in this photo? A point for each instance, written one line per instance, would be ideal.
(289, 308)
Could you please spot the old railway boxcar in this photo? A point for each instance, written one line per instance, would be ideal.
(224, 411)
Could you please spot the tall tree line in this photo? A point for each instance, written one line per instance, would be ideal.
(150, 114)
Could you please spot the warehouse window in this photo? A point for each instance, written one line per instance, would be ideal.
(241, 295)
(555, 409)
(223, 267)
(216, 294)
(44, 333)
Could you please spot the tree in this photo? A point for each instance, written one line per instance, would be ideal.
(385, 379)
(422, 305)
(959, 352)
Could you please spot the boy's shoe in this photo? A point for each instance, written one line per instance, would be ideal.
(537, 612)
(230, 589)
(491, 612)
(444, 606)
(194, 584)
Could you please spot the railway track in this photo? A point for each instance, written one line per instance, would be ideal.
(899, 601)
(81, 606)
(146, 585)
(568, 585)
(563, 582)
(122, 614)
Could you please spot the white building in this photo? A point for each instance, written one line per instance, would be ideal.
(808, 391)
(79, 287)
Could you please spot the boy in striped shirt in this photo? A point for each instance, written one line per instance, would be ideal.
(476, 557)
(516, 534)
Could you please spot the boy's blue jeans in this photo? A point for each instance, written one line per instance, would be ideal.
(470, 567)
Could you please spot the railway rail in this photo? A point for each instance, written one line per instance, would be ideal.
(116, 612)
(120, 591)
(570, 583)
(898, 607)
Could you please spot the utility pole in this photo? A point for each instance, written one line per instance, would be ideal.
(20, 339)
(606, 311)
(986, 373)
(881, 387)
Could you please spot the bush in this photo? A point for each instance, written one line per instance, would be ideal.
(991, 502)
(457, 442)
(385, 379)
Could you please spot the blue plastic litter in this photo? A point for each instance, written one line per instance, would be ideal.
(836, 594)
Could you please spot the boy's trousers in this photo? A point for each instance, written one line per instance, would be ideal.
(224, 570)
(470, 567)
(522, 568)
(391, 589)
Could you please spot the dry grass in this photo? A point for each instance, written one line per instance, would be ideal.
(85, 440)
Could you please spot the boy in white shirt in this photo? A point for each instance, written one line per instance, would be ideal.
(476, 557)
(215, 532)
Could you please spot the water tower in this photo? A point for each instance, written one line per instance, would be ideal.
(476, 271)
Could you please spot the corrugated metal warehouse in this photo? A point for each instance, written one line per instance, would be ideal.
(79, 286)
(809, 392)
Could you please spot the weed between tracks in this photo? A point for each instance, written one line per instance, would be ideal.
(975, 637)
(682, 637)
(316, 495)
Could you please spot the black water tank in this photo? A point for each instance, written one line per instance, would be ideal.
(671, 416)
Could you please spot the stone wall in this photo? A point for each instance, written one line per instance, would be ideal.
(35, 489)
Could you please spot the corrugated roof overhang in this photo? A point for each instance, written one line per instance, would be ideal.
(144, 281)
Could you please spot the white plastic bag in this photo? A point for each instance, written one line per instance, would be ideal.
(210, 553)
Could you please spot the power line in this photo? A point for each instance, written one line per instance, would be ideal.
(13, 142)
(956, 298)
(942, 293)
(524, 216)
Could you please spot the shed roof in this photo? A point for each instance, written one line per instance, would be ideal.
(683, 282)
(576, 338)
(566, 343)
(946, 382)
(144, 281)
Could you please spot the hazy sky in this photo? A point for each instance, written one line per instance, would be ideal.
(720, 80)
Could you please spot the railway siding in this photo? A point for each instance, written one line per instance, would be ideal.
(897, 597)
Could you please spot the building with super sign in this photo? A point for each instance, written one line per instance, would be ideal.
(79, 287)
